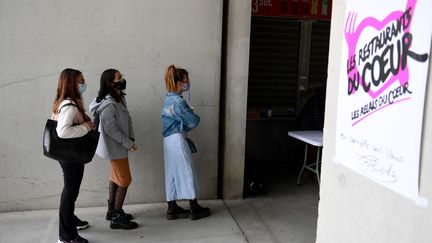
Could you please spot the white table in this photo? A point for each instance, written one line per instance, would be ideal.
(314, 138)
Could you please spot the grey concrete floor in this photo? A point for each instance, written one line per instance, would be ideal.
(286, 213)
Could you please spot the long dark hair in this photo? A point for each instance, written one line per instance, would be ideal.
(67, 88)
(107, 86)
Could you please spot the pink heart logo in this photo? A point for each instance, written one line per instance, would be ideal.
(391, 26)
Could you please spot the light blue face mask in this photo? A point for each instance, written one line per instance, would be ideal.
(186, 86)
(82, 87)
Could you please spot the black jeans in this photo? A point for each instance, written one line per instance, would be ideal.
(72, 176)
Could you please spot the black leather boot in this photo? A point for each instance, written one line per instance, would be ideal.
(119, 221)
(111, 212)
(197, 211)
(116, 199)
(175, 211)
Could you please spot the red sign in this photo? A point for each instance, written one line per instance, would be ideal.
(299, 9)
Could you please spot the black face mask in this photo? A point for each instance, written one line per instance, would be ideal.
(121, 85)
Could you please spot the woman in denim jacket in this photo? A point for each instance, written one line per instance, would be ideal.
(178, 118)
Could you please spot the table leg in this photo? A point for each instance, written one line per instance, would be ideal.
(317, 164)
(304, 164)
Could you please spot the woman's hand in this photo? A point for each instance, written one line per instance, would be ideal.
(133, 148)
(91, 125)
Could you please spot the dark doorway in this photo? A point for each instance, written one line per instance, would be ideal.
(288, 62)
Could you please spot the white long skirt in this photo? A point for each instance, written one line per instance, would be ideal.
(180, 176)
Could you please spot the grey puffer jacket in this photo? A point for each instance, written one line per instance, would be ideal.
(115, 127)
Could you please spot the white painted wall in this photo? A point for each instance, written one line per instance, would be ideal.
(138, 37)
(353, 208)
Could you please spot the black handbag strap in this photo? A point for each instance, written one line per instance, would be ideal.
(68, 104)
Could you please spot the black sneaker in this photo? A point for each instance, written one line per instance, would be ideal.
(79, 239)
(199, 212)
(120, 222)
(176, 212)
(81, 224)
(111, 214)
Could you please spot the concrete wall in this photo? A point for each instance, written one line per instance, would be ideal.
(139, 38)
(353, 208)
(237, 69)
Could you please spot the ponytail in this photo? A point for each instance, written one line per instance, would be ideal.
(169, 78)
(174, 75)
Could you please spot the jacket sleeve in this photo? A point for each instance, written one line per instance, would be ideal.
(65, 127)
(189, 119)
(131, 130)
(109, 125)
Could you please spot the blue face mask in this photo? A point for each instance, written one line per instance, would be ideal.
(82, 87)
(186, 86)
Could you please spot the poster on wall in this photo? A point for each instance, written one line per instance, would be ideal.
(384, 68)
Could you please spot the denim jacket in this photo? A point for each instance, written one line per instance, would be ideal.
(177, 116)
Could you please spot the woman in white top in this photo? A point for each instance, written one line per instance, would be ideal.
(72, 122)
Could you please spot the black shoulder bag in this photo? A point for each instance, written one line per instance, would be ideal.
(191, 145)
(73, 150)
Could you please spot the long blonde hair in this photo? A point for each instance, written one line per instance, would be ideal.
(174, 75)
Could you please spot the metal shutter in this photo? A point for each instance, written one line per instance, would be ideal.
(319, 54)
(273, 67)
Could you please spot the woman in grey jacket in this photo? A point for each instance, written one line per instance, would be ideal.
(115, 141)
